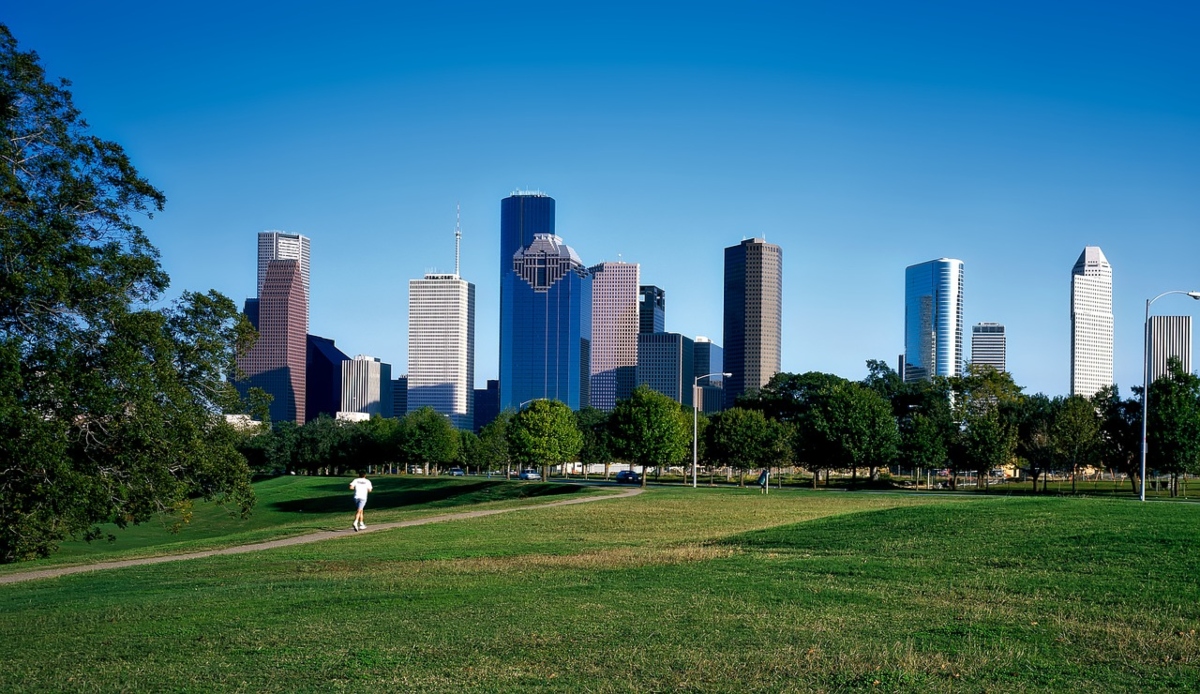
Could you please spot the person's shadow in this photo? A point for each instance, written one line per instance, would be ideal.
(391, 493)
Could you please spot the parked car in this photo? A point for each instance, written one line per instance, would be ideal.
(628, 477)
(457, 472)
(530, 475)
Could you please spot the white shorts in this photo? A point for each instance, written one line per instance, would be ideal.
(360, 502)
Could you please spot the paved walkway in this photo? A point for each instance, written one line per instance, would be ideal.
(297, 540)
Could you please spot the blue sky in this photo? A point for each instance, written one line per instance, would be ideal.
(861, 137)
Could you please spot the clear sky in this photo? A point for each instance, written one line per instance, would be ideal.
(861, 137)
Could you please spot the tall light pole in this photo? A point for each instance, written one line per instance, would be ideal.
(1146, 377)
(696, 419)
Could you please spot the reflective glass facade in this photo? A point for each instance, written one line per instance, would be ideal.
(545, 325)
(933, 319)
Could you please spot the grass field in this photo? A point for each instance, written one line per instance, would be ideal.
(676, 589)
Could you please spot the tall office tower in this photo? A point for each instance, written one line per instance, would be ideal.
(441, 347)
(280, 245)
(277, 362)
(487, 404)
(709, 359)
(753, 315)
(323, 378)
(666, 364)
(400, 396)
(366, 386)
(1091, 323)
(614, 336)
(545, 308)
(1170, 336)
(652, 311)
(933, 319)
(989, 345)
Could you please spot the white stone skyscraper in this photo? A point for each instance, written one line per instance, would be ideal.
(1091, 323)
(614, 348)
(1170, 336)
(989, 346)
(280, 245)
(441, 345)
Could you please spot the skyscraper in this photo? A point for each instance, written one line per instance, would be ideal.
(1170, 336)
(989, 345)
(666, 364)
(753, 315)
(277, 362)
(399, 396)
(366, 386)
(709, 359)
(281, 245)
(487, 404)
(1091, 323)
(652, 309)
(614, 338)
(323, 378)
(933, 319)
(545, 308)
(441, 347)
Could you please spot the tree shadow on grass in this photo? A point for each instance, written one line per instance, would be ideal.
(399, 494)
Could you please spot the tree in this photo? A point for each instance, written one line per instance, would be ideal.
(1174, 423)
(597, 440)
(1121, 432)
(493, 443)
(428, 438)
(650, 429)
(1035, 446)
(544, 434)
(743, 439)
(109, 406)
(984, 405)
(1076, 434)
(849, 426)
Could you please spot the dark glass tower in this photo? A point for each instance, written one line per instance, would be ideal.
(652, 309)
(753, 316)
(545, 308)
(323, 379)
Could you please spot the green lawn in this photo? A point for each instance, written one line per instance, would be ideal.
(295, 505)
(677, 589)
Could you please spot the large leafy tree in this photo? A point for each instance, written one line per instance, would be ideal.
(1076, 434)
(428, 438)
(544, 434)
(849, 426)
(492, 451)
(1121, 432)
(1174, 423)
(597, 440)
(985, 402)
(744, 440)
(1035, 445)
(109, 407)
(650, 429)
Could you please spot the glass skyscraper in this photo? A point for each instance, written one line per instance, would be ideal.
(652, 309)
(933, 319)
(545, 308)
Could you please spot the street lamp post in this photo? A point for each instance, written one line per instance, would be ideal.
(1146, 377)
(696, 419)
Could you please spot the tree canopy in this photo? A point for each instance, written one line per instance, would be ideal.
(651, 430)
(109, 407)
(544, 434)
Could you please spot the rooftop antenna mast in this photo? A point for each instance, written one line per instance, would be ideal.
(457, 235)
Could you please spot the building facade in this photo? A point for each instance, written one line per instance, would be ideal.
(666, 363)
(281, 245)
(709, 359)
(545, 308)
(989, 345)
(933, 319)
(1170, 336)
(753, 317)
(1091, 323)
(487, 404)
(400, 396)
(277, 362)
(366, 386)
(441, 347)
(323, 378)
(614, 338)
(652, 309)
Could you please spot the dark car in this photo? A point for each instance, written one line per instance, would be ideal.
(628, 477)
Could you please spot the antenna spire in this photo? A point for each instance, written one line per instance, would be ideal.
(457, 235)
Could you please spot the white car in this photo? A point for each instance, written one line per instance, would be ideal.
(530, 475)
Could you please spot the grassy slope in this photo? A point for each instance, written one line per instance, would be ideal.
(295, 505)
(711, 590)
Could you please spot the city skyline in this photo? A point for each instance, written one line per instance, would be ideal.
(862, 139)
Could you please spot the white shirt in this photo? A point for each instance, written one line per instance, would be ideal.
(362, 485)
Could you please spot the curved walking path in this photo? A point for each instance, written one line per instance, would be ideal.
(297, 540)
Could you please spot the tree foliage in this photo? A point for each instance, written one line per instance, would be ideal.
(1076, 434)
(109, 407)
(651, 430)
(544, 434)
(1173, 436)
(428, 439)
(745, 440)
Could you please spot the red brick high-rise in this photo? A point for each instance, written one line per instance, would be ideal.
(276, 363)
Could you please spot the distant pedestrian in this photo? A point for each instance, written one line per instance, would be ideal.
(764, 481)
(361, 486)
